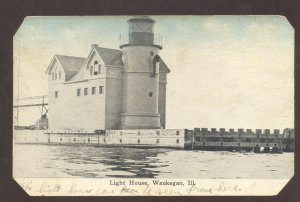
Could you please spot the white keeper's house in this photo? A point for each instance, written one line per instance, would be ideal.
(111, 88)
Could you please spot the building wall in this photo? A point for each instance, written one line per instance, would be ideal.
(133, 138)
(113, 93)
(69, 111)
(162, 98)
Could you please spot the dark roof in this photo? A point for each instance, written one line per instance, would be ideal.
(70, 64)
(110, 56)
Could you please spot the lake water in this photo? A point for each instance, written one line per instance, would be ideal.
(34, 160)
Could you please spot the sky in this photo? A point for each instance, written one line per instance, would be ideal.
(226, 71)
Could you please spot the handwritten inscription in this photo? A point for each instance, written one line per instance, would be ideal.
(46, 188)
(132, 187)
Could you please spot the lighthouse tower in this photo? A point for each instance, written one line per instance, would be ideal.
(140, 55)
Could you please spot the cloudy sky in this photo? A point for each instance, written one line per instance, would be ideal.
(226, 71)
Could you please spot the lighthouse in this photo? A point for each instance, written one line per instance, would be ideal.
(141, 76)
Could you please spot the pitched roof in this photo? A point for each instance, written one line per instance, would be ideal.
(163, 67)
(70, 64)
(110, 56)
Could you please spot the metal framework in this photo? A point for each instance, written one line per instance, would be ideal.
(41, 102)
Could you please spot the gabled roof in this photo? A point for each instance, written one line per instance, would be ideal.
(110, 56)
(163, 67)
(70, 64)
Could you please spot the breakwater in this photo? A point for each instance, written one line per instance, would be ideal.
(196, 139)
(246, 140)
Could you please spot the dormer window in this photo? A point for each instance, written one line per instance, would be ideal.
(97, 69)
(91, 70)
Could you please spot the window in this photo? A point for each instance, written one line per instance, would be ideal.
(59, 74)
(139, 141)
(95, 68)
(99, 69)
(155, 67)
(56, 94)
(78, 91)
(91, 70)
(93, 90)
(100, 89)
(177, 132)
(177, 141)
(157, 140)
(85, 91)
(52, 75)
(55, 75)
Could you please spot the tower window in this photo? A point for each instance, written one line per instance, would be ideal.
(56, 94)
(155, 67)
(101, 89)
(78, 91)
(85, 91)
(93, 90)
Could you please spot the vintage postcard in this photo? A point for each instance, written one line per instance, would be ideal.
(153, 105)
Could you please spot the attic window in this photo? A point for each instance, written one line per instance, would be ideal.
(97, 68)
(91, 70)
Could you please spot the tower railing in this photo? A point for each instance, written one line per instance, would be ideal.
(124, 40)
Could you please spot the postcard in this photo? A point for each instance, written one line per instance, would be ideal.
(153, 105)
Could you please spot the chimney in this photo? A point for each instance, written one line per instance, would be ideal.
(94, 45)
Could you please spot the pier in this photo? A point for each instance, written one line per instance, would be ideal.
(197, 139)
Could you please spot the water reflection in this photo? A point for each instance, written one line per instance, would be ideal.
(104, 162)
(133, 163)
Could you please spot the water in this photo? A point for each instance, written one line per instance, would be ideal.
(95, 162)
